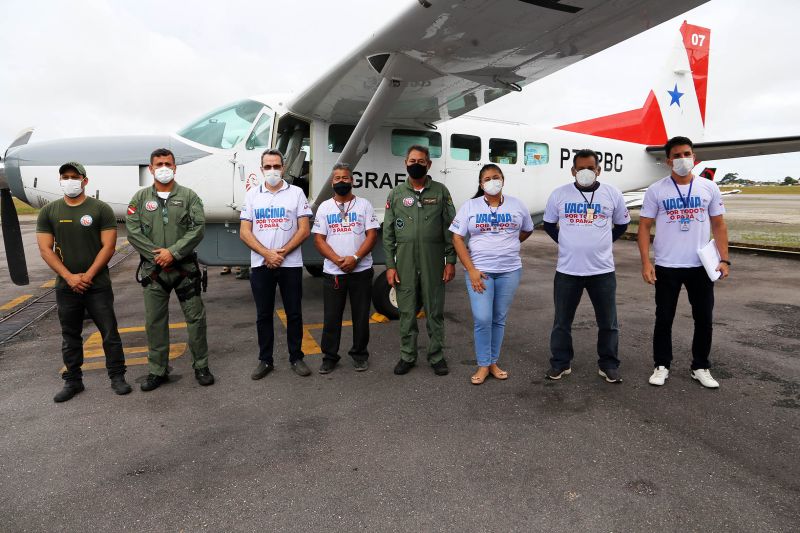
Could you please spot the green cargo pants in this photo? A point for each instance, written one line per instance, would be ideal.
(156, 309)
(420, 267)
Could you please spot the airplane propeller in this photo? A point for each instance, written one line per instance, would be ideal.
(9, 220)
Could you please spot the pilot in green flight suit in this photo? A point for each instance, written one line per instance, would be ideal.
(420, 257)
(165, 224)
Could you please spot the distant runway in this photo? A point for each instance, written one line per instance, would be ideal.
(373, 451)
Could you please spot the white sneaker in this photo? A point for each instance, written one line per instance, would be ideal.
(660, 375)
(704, 377)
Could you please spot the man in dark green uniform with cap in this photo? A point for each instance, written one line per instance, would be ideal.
(165, 224)
(420, 257)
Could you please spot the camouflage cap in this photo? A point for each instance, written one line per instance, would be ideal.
(72, 165)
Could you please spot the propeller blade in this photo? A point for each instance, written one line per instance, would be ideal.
(12, 238)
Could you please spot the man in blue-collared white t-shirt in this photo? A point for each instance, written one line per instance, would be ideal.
(274, 223)
(585, 218)
(686, 210)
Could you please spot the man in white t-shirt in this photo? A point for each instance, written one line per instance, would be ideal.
(585, 218)
(345, 231)
(274, 223)
(686, 210)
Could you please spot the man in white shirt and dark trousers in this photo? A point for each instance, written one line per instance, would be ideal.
(345, 231)
(274, 223)
(685, 210)
(585, 218)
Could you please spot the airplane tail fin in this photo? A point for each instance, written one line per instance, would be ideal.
(676, 106)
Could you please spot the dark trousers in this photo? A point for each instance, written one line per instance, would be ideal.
(567, 291)
(700, 290)
(100, 306)
(263, 282)
(335, 290)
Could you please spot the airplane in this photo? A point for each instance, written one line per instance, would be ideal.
(420, 80)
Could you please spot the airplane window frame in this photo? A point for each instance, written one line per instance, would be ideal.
(401, 149)
(544, 160)
(251, 143)
(232, 134)
(466, 137)
(493, 158)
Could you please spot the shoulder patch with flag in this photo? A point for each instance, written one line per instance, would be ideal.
(131, 209)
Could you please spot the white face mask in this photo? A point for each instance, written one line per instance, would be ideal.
(272, 177)
(585, 177)
(683, 166)
(492, 187)
(164, 175)
(72, 188)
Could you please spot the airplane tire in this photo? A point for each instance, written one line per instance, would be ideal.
(314, 270)
(384, 298)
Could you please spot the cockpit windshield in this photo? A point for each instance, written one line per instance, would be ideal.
(224, 127)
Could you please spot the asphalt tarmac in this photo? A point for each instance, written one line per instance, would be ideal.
(377, 452)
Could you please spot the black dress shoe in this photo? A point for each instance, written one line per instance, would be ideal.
(440, 368)
(71, 388)
(120, 386)
(301, 368)
(153, 382)
(262, 370)
(203, 376)
(327, 366)
(360, 365)
(402, 367)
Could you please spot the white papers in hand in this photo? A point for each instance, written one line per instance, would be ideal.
(709, 256)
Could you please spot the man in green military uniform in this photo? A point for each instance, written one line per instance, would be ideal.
(420, 257)
(165, 224)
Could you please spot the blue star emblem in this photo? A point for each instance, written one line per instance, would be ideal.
(675, 94)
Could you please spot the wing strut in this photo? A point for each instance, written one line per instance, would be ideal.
(378, 108)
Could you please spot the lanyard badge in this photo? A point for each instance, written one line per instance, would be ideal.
(684, 220)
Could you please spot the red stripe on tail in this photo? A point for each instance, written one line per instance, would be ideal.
(696, 40)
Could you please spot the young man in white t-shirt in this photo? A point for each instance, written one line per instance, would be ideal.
(686, 210)
(585, 218)
(345, 231)
(274, 223)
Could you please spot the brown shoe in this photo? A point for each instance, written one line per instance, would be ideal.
(480, 376)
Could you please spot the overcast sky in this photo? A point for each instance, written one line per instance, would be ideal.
(101, 67)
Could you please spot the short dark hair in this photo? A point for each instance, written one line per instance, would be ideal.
(677, 141)
(585, 153)
(162, 152)
(484, 168)
(419, 148)
(271, 151)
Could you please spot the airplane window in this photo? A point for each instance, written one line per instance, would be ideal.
(465, 147)
(536, 153)
(403, 139)
(224, 127)
(503, 151)
(261, 133)
(338, 135)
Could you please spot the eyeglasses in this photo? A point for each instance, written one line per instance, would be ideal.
(271, 167)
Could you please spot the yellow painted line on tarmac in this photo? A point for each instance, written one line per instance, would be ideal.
(49, 284)
(309, 345)
(15, 302)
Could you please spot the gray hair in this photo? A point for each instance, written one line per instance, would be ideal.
(342, 166)
(272, 151)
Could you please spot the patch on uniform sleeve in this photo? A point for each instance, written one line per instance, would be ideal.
(388, 204)
(399, 223)
(450, 200)
(131, 209)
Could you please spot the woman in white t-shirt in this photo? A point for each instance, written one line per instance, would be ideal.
(496, 225)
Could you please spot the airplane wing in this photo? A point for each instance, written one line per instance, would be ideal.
(634, 199)
(454, 56)
(745, 148)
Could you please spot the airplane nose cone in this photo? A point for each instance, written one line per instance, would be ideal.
(11, 174)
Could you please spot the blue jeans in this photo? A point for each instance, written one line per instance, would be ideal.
(489, 311)
(567, 291)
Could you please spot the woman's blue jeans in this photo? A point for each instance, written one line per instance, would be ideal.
(489, 311)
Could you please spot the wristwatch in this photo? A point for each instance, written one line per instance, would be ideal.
(359, 259)
(725, 261)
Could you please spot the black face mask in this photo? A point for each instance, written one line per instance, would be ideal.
(342, 188)
(417, 171)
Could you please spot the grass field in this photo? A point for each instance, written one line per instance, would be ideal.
(767, 189)
(24, 209)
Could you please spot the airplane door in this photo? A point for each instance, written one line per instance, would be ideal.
(247, 160)
(462, 163)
